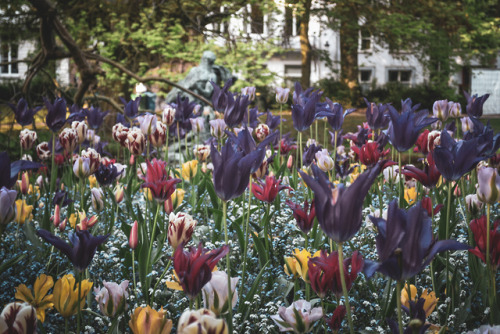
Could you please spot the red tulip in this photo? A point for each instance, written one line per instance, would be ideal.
(267, 192)
(194, 267)
(303, 216)
(427, 205)
(369, 154)
(478, 227)
(158, 181)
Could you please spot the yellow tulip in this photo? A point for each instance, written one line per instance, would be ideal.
(430, 298)
(23, 211)
(148, 195)
(41, 301)
(411, 195)
(177, 197)
(92, 181)
(175, 285)
(189, 170)
(297, 264)
(145, 320)
(66, 295)
(72, 219)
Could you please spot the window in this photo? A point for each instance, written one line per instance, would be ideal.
(292, 21)
(401, 76)
(365, 40)
(365, 79)
(256, 20)
(292, 73)
(8, 53)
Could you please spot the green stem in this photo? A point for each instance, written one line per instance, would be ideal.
(447, 235)
(79, 315)
(398, 301)
(161, 277)
(66, 325)
(266, 230)
(245, 246)
(300, 148)
(133, 273)
(344, 287)
(401, 188)
(492, 294)
(53, 168)
(281, 134)
(149, 264)
(228, 267)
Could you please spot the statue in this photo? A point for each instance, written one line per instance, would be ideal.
(198, 79)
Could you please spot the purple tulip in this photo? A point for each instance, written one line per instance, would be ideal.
(253, 114)
(76, 114)
(339, 209)
(184, 111)
(61, 199)
(219, 97)
(272, 121)
(487, 142)
(232, 169)
(404, 128)
(475, 104)
(9, 171)
(95, 117)
(334, 114)
(22, 113)
(303, 115)
(236, 109)
(415, 312)
(131, 108)
(107, 174)
(405, 243)
(56, 115)
(83, 249)
(7, 207)
(376, 115)
(454, 159)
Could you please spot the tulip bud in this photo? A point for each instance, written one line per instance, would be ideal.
(86, 222)
(180, 228)
(474, 205)
(94, 159)
(455, 109)
(97, 199)
(168, 115)
(298, 317)
(145, 320)
(56, 218)
(18, 318)
(112, 298)
(489, 185)
(7, 207)
(324, 161)
(201, 321)
(27, 139)
(62, 225)
(119, 193)
(158, 138)
(250, 91)
(467, 124)
(262, 131)
(289, 163)
(81, 130)
(24, 183)
(148, 124)
(131, 161)
(133, 239)
(136, 141)
(215, 296)
(433, 140)
(198, 124)
(282, 95)
(217, 127)
(81, 167)
(43, 151)
(440, 109)
(201, 152)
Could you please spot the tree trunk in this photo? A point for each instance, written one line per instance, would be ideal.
(349, 36)
(305, 46)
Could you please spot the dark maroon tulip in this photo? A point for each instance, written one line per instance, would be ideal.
(376, 115)
(22, 113)
(405, 128)
(286, 145)
(421, 143)
(405, 243)
(194, 267)
(56, 115)
(475, 104)
(339, 208)
(454, 159)
(84, 246)
(304, 216)
(268, 191)
(427, 205)
(162, 186)
(369, 154)
(232, 170)
(478, 228)
(324, 272)
(335, 322)
(428, 177)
